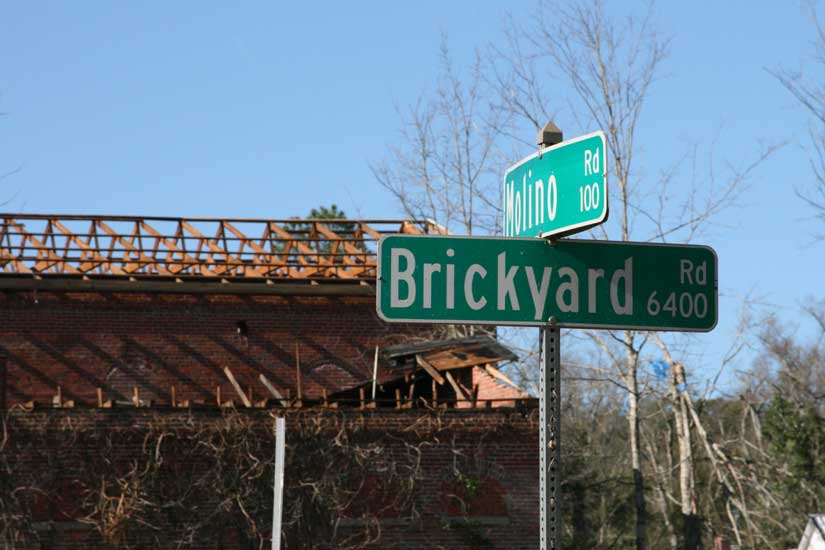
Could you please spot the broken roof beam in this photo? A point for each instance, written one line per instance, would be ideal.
(237, 387)
(275, 393)
(495, 373)
(459, 393)
(489, 344)
(431, 370)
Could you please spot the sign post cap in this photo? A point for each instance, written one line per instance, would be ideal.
(549, 135)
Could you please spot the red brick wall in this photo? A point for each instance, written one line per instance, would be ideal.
(117, 341)
(474, 473)
(491, 388)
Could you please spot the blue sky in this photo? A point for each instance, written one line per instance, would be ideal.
(265, 109)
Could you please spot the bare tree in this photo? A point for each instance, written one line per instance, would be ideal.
(441, 167)
(609, 66)
(809, 91)
(575, 60)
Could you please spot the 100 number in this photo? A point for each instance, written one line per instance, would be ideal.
(589, 197)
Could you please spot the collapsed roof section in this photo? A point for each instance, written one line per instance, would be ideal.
(464, 369)
(452, 353)
(192, 254)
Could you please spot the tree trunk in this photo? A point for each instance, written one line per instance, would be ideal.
(687, 491)
(632, 382)
(661, 479)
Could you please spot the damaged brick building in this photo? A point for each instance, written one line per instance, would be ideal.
(142, 361)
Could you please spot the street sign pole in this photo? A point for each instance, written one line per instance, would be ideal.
(550, 410)
(549, 437)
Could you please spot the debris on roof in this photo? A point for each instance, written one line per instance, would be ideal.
(181, 249)
(453, 353)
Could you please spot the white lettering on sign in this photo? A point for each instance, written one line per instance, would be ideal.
(538, 292)
(693, 275)
(589, 197)
(591, 162)
(429, 269)
(622, 275)
(506, 286)
(399, 276)
(593, 275)
(571, 287)
(530, 206)
(469, 297)
(568, 289)
(679, 305)
(450, 282)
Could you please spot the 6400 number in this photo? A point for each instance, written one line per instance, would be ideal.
(684, 305)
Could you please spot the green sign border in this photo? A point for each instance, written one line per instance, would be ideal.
(581, 226)
(379, 279)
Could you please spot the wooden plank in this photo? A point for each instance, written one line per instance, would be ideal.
(194, 286)
(431, 370)
(409, 229)
(173, 247)
(147, 260)
(43, 248)
(449, 359)
(104, 261)
(374, 372)
(309, 268)
(269, 258)
(220, 251)
(298, 371)
(494, 372)
(358, 261)
(458, 391)
(237, 387)
(275, 393)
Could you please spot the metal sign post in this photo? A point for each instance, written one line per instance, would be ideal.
(550, 401)
(549, 437)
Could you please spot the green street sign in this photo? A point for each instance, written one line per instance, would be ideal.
(558, 191)
(580, 283)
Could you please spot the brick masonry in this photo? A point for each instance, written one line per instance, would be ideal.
(493, 452)
(119, 341)
(82, 341)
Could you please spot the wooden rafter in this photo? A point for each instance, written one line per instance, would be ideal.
(185, 248)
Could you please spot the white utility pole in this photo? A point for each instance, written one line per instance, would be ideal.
(278, 485)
